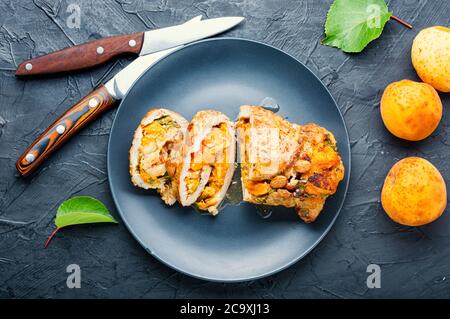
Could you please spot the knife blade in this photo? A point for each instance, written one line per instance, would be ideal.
(166, 38)
(99, 51)
(119, 85)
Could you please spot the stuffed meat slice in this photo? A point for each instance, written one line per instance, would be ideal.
(156, 152)
(284, 164)
(208, 163)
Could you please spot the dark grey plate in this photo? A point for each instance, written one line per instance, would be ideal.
(223, 74)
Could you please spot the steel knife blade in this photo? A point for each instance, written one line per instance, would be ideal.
(166, 38)
(119, 85)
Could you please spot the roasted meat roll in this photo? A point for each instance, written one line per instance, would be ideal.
(284, 164)
(208, 162)
(156, 152)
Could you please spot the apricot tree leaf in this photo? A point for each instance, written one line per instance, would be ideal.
(352, 24)
(80, 210)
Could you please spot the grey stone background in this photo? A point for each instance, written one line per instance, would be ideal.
(415, 262)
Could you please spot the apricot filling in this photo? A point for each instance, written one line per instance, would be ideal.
(156, 148)
(214, 153)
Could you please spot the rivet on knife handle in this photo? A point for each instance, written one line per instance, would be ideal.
(88, 108)
(83, 56)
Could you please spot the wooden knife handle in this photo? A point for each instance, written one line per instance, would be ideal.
(87, 109)
(83, 56)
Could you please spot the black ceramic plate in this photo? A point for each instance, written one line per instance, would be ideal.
(223, 74)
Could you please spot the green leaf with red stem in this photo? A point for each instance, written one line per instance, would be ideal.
(80, 210)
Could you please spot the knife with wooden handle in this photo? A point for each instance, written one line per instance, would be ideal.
(83, 56)
(93, 53)
(87, 109)
(105, 96)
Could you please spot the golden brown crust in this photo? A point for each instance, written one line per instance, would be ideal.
(309, 167)
(273, 142)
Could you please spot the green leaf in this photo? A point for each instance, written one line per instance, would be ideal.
(82, 210)
(352, 24)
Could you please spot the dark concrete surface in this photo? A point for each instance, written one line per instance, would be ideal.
(415, 262)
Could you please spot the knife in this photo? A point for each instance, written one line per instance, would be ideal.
(103, 98)
(99, 51)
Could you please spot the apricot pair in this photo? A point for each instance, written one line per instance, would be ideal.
(412, 110)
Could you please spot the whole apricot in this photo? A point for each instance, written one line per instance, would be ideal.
(431, 57)
(414, 192)
(411, 110)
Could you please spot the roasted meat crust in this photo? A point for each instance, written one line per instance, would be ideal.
(298, 168)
